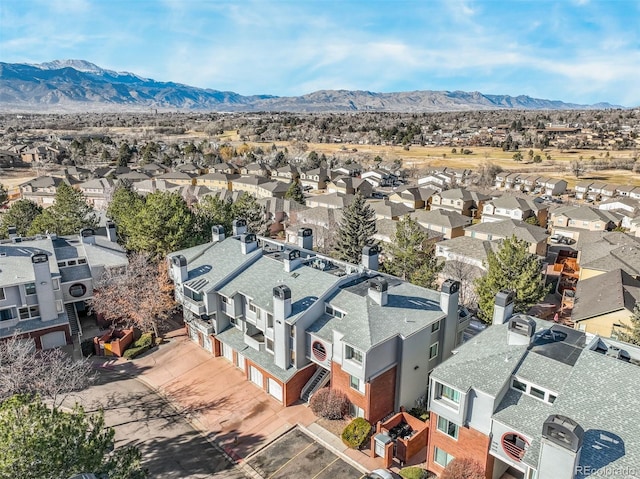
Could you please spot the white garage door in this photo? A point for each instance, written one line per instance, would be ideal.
(193, 333)
(256, 376)
(227, 352)
(207, 343)
(53, 340)
(275, 389)
(240, 362)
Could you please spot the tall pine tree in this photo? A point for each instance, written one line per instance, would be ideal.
(630, 333)
(356, 230)
(294, 193)
(248, 208)
(410, 256)
(68, 214)
(512, 267)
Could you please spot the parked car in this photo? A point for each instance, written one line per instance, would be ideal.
(566, 240)
(556, 238)
(379, 474)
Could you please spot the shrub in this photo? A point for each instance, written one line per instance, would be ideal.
(87, 347)
(414, 472)
(356, 433)
(463, 468)
(329, 404)
(145, 341)
(134, 352)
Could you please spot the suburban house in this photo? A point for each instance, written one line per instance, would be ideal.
(385, 209)
(41, 190)
(570, 221)
(535, 236)
(255, 169)
(179, 177)
(468, 250)
(329, 200)
(348, 185)
(136, 176)
(386, 230)
(379, 178)
(217, 180)
(535, 399)
(259, 186)
(460, 200)
(152, 185)
(513, 181)
(582, 188)
(286, 174)
(602, 251)
(440, 180)
(554, 186)
(45, 281)
(627, 208)
(315, 179)
(351, 169)
(513, 207)
(226, 168)
(530, 182)
(604, 302)
(97, 192)
(417, 198)
(293, 320)
(450, 223)
(625, 190)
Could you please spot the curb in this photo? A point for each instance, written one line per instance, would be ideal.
(338, 453)
(226, 452)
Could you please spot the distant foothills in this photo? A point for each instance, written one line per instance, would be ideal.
(81, 86)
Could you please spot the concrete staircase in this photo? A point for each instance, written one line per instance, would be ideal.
(74, 322)
(319, 379)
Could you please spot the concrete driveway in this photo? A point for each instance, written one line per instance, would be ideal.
(171, 447)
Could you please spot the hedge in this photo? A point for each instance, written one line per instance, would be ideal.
(413, 472)
(142, 345)
(356, 433)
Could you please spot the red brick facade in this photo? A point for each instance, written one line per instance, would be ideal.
(470, 443)
(35, 335)
(378, 399)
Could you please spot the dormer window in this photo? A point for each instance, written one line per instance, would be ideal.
(30, 289)
(353, 354)
(336, 313)
(191, 294)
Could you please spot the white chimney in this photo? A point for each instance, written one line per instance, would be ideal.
(520, 331)
(179, 268)
(305, 238)
(281, 334)
(560, 447)
(449, 295)
(378, 287)
(217, 233)
(44, 286)
(111, 232)
(87, 236)
(248, 243)
(291, 260)
(239, 227)
(370, 256)
(503, 308)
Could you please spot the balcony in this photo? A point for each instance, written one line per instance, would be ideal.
(196, 307)
(255, 341)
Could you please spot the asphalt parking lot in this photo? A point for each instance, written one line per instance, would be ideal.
(295, 455)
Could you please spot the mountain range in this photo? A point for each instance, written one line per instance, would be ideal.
(78, 86)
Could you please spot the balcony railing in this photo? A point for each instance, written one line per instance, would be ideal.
(256, 341)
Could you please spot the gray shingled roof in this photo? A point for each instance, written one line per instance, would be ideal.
(585, 213)
(606, 251)
(448, 219)
(15, 261)
(366, 324)
(605, 293)
(508, 227)
(469, 247)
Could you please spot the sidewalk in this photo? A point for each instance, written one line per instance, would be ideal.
(218, 400)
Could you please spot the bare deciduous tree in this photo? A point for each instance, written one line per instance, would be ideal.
(51, 374)
(141, 296)
(466, 274)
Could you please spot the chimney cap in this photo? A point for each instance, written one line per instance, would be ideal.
(86, 232)
(12, 230)
(179, 260)
(370, 250)
(282, 291)
(39, 258)
(504, 298)
(563, 431)
(110, 224)
(239, 222)
(522, 325)
(302, 232)
(379, 284)
(450, 286)
(247, 238)
(293, 254)
(218, 229)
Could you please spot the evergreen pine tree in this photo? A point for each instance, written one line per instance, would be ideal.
(20, 214)
(294, 193)
(512, 267)
(630, 333)
(410, 256)
(68, 214)
(248, 208)
(356, 230)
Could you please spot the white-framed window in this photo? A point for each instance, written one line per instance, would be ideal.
(269, 320)
(441, 457)
(518, 385)
(56, 284)
(448, 393)
(353, 354)
(355, 411)
(30, 289)
(253, 308)
(447, 427)
(269, 345)
(433, 351)
(331, 311)
(191, 294)
(435, 326)
(356, 383)
(29, 312)
(62, 264)
(533, 391)
(82, 260)
(2, 296)
(59, 306)
(71, 262)
(7, 314)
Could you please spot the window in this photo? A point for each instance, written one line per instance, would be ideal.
(29, 312)
(330, 310)
(224, 299)
(450, 394)
(77, 290)
(269, 345)
(269, 320)
(447, 427)
(353, 354)
(435, 327)
(252, 308)
(552, 398)
(292, 357)
(433, 351)
(191, 294)
(520, 386)
(537, 393)
(59, 306)
(441, 457)
(62, 264)
(356, 383)
(2, 296)
(82, 260)
(355, 411)
(71, 262)
(30, 288)
(56, 284)
(6, 314)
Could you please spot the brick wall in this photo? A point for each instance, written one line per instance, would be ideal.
(381, 395)
(35, 335)
(340, 380)
(293, 387)
(470, 443)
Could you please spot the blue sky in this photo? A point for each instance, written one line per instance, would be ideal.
(582, 51)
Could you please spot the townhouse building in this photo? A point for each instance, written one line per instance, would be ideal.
(534, 236)
(417, 198)
(293, 320)
(450, 223)
(529, 398)
(217, 180)
(41, 190)
(570, 221)
(460, 200)
(512, 207)
(46, 280)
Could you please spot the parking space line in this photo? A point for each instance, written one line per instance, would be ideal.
(284, 465)
(322, 470)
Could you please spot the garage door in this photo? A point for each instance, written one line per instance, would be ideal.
(275, 389)
(240, 362)
(193, 333)
(227, 352)
(256, 376)
(53, 340)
